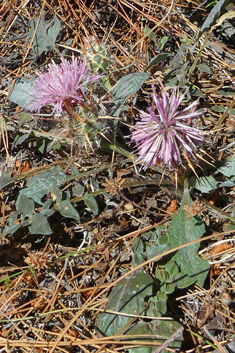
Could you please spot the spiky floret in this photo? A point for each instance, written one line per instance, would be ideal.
(63, 84)
(164, 131)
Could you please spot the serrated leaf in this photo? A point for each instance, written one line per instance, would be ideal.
(228, 169)
(212, 17)
(206, 184)
(127, 86)
(46, 34)
(90, 202)
(21, 92)
(228, 183)
(183, 229)
(42, 184)
(128, 296)
(67, 210)
(40, 225)
(25, 205)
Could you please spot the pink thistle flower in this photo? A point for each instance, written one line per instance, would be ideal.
(165, 131)
(62, 86)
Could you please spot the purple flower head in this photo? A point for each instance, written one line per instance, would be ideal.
(165, 131)
(63, 84)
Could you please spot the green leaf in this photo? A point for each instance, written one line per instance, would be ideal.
(228, 183)
(157, 59)
(11, 229)
(159, 330)
(48, 212)
(46, 34)
(40, 225)
(19, 140)
(41, 145)
(90, 202)
(25, 205)
(23, 117)
(228, 169)
(138, 245)
(137, 259)
(163, 42)
(204, 67)
(158, 304)
(218, 108)
(153, 250)
(94, 184)
(13, 218)
(127, 86)
(67, 210)
(42, 184)
(147, 31)
(5, 180)
(212, 17)
(78, 189)
(183, 229)
(225, 93)
(21, 92)
(128, 296)
(206, 184)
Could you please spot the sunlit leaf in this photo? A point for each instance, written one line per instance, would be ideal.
(212, 17)
(149, 33)
(5, 180)
(40, 185)
(159, 330)
(127, 86)
(157, 59)
(67, 210)
(228, 169)
(206, 184)
(90, 202)
(183, 229)
(128, 296)
(46, 33)
(21, 92)
(25, 205)
(40, 225)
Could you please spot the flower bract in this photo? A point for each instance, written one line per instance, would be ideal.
(165, 130)
(63, 84)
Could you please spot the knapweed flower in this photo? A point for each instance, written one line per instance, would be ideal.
(165, 131)
(63, 85)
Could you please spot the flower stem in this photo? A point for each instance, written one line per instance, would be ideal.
(72, 112)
